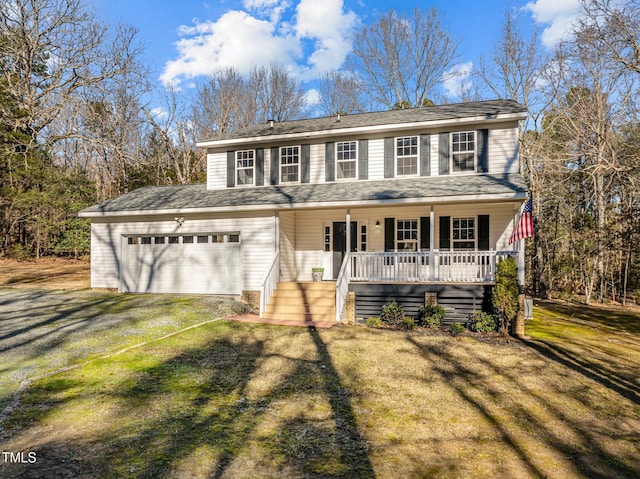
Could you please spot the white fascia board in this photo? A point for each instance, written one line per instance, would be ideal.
(486, 198)
(361, 129)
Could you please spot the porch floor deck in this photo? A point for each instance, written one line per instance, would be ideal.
(254, 318)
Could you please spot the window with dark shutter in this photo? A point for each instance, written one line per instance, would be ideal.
(329, 161)
(445, 232)
(363, 159)
(425, 155)
(443, 161)
(231, 169)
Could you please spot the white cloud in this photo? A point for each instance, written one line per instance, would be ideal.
(308, 40)
(235, 39)
(457, 79)
(558, 15)
(329, 27)
(312, 97)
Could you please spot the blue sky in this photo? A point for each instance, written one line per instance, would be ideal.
(186, 40)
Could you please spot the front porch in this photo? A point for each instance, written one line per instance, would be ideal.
(425, 266)
(448, 244)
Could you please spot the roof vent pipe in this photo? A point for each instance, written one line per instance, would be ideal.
(271, 122)
(338, 120)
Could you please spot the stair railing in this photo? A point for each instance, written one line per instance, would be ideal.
(342, 285)
(270, 283)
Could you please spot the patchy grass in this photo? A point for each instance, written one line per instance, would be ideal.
(42, 331)
(47, 273)
(243, 400)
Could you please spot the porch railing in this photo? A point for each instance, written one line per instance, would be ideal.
(270, 283)
(342, 284)
(444, 266)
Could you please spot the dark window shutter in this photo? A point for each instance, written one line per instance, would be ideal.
(363, 159)
(443, 165)
(483, 232)
(389, 234)
(275, 166)
(388, 158)
(425, 233)
(231, 168)
(425, 155)
(445, 232)
(482, 144)
(259, 167)
(330, 161)
(305, 163)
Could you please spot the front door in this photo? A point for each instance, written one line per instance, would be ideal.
(340, 243)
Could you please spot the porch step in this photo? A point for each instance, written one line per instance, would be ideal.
(303, 301)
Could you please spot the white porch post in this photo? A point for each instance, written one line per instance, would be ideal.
(521, 261)
(276, 221)
(432, 244)
(348, 232)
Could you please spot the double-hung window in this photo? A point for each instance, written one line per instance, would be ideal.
(464, 233)
(407, 235)
(407, 156)
(290, 164)
(347, 159)
(245, 171)
(463, 151)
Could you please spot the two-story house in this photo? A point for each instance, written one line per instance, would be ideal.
(393, 205)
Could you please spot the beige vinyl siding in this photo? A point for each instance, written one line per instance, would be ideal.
(287, 246)
(435, 155)
(216, 171)
(256, 235)
(316, 163)
(503, 151)
(376, 159)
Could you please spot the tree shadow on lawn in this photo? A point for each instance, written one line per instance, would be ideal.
(620, 319)
(525, 418)
(200, 410)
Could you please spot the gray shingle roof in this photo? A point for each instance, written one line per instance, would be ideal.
(486, 109)
(197, 197)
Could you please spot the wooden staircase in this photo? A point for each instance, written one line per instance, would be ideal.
(303, 301)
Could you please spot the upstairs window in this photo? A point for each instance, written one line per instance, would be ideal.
(290, 164)
(407, 156)
(463, 151)
(346, 159)
(245, 163)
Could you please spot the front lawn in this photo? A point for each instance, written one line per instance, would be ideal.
(242, 400)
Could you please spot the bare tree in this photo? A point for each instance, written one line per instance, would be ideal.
(279, 95)
(54, 51)
(401, 59)
(225, 102)
(340, 93)
(613, 29)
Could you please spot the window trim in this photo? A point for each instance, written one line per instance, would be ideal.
(298, 164)
(239, 168)
(474, 153)
(396, 157)
(475, 233)
(354, 160)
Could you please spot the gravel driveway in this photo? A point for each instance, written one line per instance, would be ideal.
(41, 331)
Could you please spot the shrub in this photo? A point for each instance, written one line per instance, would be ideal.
(431, 315)
(482, 322)
(504, 295)
(392, 314)
(408, 323)
(374, 322)
(456, 328)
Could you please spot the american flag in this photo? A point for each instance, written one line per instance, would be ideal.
(524, 229)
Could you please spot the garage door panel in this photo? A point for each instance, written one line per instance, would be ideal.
(198, 268)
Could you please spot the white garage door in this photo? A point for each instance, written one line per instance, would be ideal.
(187, 263)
